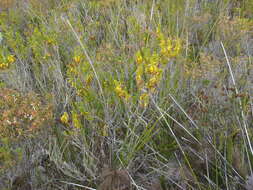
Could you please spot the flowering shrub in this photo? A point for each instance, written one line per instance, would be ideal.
(150, 65)
(21, 116)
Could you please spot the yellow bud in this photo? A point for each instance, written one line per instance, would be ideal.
(11, 59)
(139, 81)
(65, 118)
(77, 59)
(89, 79)
(139, 58)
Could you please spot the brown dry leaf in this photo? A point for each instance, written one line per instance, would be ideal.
(115, 180)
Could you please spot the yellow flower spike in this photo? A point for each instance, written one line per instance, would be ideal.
(65, 118)
(77, 59)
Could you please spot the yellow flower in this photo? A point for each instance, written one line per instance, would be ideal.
(163, 51)
(50, 41)
(153, 82)
(11, 59)
(169, 44)
(4, 66)
(139, 58)
(153, 70)
(65, 118)
(144, 100)
(120, 91)
(77, 59)
(89, 80)
(138, 77)
(76, 121)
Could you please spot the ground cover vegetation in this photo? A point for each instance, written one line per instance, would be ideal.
(126, 94)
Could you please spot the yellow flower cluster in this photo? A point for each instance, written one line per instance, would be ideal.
(169, 48)
(6, 62)
(120, 91)
(148, 75)
(151, 65)
(148, 67)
